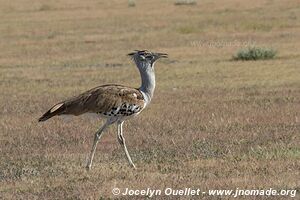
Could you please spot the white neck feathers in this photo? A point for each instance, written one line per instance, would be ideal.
(148, 82)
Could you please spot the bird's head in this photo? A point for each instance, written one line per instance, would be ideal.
(146, 59)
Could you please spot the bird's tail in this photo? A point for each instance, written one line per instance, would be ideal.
(55, 110)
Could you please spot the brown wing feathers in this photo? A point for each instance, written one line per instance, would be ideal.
(97, 100)
(55, 110)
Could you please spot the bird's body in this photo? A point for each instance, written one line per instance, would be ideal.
(108, 101)
(115, 103)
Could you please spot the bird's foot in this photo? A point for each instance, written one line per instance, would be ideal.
(133, 166)
(88, 167)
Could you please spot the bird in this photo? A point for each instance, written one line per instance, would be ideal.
(113, 102)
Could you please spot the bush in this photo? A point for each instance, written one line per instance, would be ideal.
(255, 53)
(185, 2)
(131, 3)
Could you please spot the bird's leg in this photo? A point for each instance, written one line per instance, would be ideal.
(96, 140)
(121, 140)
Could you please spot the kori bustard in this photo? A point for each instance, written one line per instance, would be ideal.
(115, 103)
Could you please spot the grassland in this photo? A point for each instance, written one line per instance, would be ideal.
(214, 123)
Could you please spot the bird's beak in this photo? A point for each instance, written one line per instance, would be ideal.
(131, 54)
(161, 55)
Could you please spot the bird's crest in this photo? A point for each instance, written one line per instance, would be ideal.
(152, 56)
(139, 52)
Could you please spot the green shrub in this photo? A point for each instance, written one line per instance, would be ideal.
(255, 53)
(131, 3)
(185, 2)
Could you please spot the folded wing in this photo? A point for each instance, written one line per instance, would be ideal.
(106, 99)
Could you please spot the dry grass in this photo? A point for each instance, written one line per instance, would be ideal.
(213, 123)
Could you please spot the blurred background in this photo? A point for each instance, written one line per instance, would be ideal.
(225, 113)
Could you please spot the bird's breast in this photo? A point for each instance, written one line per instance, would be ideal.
(124, 110)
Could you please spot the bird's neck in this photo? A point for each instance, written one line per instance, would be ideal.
(148, 83)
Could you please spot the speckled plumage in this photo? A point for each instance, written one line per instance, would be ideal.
(116, 103)
(105, 100)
